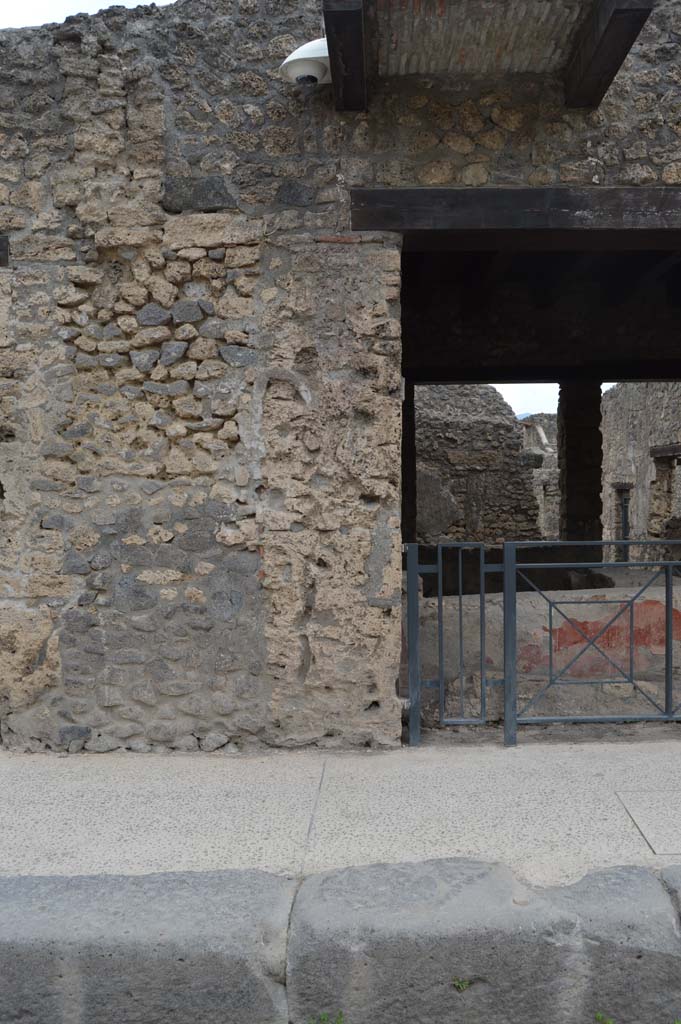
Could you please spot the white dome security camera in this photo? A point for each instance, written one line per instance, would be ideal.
(309, 64)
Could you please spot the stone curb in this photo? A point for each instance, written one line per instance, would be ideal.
(206, 947)
(430, 943)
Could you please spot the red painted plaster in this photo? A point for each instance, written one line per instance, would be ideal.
(649, 641)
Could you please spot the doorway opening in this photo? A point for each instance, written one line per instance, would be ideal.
(602, 468)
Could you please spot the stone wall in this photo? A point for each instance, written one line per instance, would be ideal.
(199, 431)
(473, 481)
(636, 417)
(200, 364)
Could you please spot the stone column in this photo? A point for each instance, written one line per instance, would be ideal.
(580, 457)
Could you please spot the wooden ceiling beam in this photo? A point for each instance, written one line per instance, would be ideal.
(346, 35)
(605, 39)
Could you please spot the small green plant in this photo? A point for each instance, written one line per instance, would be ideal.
(325, 1018)
(461, 984)
(600, 1018)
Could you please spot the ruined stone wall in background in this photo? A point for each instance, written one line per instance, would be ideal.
(199, 363)
(472, 479)
(540, 440)
(636, 417)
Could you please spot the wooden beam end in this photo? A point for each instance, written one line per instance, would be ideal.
(346, 37)
(602, 46)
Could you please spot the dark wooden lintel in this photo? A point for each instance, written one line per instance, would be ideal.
(586, 243)
(605, 39)
(4, 251)
(666, 451)
(344, 21)
(623, 211)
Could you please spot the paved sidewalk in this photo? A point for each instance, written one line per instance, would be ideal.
(550, 810)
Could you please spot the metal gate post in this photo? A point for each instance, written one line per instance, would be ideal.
(413, 644)
(510, 680)
(669, 640)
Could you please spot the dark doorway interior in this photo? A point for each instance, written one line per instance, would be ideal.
(508, 315)
(574, 315)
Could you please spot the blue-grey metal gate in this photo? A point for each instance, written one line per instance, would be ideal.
(643, 614)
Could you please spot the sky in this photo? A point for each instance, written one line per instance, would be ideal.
(42, 12)
(529, 398)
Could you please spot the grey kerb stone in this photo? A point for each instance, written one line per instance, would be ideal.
(443, 941)
(206, 947)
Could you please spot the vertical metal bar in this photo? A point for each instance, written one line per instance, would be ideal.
(461, 648)
(440, 634)
(510, 668)
(669, 641)
(413, 644)
(551, 642)
(632, 651)
(409, 496)
(625, 525)
(483, 640)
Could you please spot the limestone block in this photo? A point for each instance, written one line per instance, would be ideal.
(178, 271)
(192, 253)
(671, 175)
(185, 333)
(110, 237)
(210, 230)
(242, 256)
(161, 290)
(40, 245)
(84, 276)
(134, 293)
(30, 661)
(208, 268)
(203, 348)
(71, 296)
(5, 299)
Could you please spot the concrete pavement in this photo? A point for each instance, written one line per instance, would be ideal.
(550, 810)
(278, 888)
